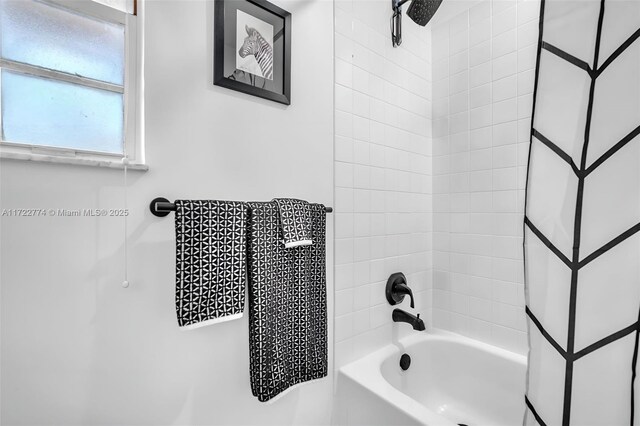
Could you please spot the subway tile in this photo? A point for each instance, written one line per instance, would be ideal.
(481, 223)
(480, 53)
(344, 200)
(480, 32)
(498, 6)
(458, 82)
(508, 224)
(361, 148)
(344, 225)
(361, 272)
(343, 48)
(527, 34)
(343, 302)
(480, 287)
(441, 88)
(459, 62)
(504, 179)
(480, 74)
(504, 21)
(525, 105)
(505, 111)
(481, 117)
(480, 309)
(481, 138)
(361, 321)
(480, 159)
(481, 201)
(526, 81)
(459, 202)
(507, 247)
(479, 12)
(343, 174)
(505, 133)
(459, 42)
(505, 201)
(459, 123)
(505, 88)
(440, 69)
(343, 327)
(480, 181)
(360, 80)
(344, 124)
(343, 149)
(361, 104)
(459, 103)
(528, 10)
(504, 43)
(344, 98)
(504, 66)
(523, 131)
(344, 275)
(527, 58)
(344, 251)
(480, 96)
(505, 156)
(361, 297)
(459, 142)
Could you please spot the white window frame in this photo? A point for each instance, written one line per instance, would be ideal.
(133, 106)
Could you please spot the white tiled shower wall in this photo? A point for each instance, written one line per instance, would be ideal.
(483, 75)
(382, 173)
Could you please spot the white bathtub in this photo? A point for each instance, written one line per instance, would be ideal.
(452, 380)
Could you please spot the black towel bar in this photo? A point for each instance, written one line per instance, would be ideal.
(161, 207)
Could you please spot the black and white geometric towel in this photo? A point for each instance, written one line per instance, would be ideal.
(287, 303)
(210, 261)
(295, 219)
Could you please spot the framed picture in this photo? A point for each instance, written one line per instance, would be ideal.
(252, 48)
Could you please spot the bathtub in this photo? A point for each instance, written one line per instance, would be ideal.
(452, 380)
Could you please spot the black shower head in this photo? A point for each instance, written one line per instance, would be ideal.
(421, 11)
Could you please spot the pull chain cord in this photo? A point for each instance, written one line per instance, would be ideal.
(125, 162)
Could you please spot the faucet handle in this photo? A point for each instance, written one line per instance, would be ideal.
(404, 289)
(397, 288)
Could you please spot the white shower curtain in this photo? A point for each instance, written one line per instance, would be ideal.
(582, 215)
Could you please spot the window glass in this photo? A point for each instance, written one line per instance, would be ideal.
(51, 37)
(41, 111)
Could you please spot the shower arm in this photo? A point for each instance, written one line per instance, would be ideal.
(396, 22)
(395, 4)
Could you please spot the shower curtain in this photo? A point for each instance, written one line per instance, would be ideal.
(582, 215)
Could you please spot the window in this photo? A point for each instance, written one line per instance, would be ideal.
(68, 80)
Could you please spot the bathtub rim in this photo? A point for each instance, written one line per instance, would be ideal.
(358, 371)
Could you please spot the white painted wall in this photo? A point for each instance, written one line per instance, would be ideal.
(79, 349)
(382, 173)
(483, 73)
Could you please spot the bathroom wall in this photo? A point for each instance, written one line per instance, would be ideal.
(382, 173)
(77, 348)
(483, 74)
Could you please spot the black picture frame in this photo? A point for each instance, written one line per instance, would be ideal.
(252, 77)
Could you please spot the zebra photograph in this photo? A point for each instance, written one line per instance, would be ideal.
(255, 40)
(252, 48)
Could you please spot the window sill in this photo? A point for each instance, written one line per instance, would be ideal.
(110, 164)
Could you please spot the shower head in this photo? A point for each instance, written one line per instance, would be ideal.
(420, 12)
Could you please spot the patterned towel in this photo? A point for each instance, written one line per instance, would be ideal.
(210, 261)
(287, 303)
(295, 219)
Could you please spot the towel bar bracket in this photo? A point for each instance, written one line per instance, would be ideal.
(161, 207)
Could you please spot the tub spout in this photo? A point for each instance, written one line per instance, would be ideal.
(416, 322)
